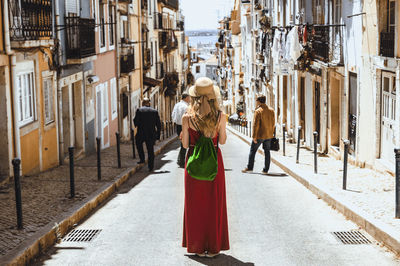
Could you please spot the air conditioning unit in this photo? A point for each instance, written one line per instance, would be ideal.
(130, 9)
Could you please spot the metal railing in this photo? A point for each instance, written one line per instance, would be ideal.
(327, 43)
(80, 37)
(127, 60)
(168, 41)
(146, 59)
(387, 44)
(30, 19)
(174, 4)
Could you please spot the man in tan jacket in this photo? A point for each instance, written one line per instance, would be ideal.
(263, 132)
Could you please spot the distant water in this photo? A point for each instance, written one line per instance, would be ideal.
(194, 40)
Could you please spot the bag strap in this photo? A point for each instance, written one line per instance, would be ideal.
(195, 125)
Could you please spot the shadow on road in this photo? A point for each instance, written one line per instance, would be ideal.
(220, 260)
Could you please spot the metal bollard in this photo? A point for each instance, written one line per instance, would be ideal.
(345, 156)
(397, 154)
(247, 128)
(171, 127)
(118, 149)
(98, 142)
(133, 143)
(315, 152)
(162, 130)
(17, 186)
(284, 139)
(71, 171)
(298, 144)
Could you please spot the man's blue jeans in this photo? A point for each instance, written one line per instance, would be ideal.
(253, 149)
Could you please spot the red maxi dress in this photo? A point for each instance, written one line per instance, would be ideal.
(205, 222)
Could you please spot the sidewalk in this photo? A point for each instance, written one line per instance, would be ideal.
(46, 203)
(369, 199)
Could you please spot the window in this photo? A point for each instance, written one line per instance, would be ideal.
(48, 100)
(111, 24)
(392, 16)
(113, 86)
(72, 7)
(102, 30)
(105, 103)
(318, 12)
(151, 54)
(124, 29)
(25, 89)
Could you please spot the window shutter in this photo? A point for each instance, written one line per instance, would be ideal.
(72, 6)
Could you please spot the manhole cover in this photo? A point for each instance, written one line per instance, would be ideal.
(82, 235)
(351, 237)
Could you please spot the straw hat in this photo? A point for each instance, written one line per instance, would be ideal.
(204, 87)
(205, 90)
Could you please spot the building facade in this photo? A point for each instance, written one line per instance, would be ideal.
(329, 66)
(72, 71)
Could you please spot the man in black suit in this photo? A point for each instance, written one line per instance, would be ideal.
(148, 126)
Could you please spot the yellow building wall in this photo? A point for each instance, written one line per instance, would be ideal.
(48, 132)
(1, 32)
(30, 152)
(49, 149)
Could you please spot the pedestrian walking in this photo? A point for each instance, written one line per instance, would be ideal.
(179, 110)
(205, 223)
(148, 126)
(263, 132)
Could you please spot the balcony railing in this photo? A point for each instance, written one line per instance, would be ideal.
(171, 82)
(146, 59)
(160, 70)
(387, 44)
(80, 37)
(127, 60)
(180, 25)
(327, 44)
(174, 4)
(164, 21)
(30, 19)
(168, 41)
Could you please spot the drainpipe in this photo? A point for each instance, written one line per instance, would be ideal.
(117, 50)
(59, 95)
(17, 139)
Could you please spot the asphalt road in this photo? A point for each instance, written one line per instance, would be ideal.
(273, 220)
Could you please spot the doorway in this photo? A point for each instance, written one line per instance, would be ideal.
(317, 109)
(335, 112)
(388, 116)
(352, 111)
(302, 105)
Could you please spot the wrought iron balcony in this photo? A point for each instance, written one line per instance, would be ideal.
(160, 70)
(167, 41)
(127, 60)
(80, 37)
(30, 19)
(173, 4)
(327, 44)
(171, 82)
(180, 25)
(387, 44)
(164, 21)
(146, 59)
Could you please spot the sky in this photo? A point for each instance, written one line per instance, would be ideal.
(204, 14)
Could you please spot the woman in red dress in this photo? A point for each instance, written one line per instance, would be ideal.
(205, 223)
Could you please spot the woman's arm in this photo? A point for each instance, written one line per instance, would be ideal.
(222, 128)
(185, 131)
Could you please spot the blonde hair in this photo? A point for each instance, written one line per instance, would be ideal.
(208, 123)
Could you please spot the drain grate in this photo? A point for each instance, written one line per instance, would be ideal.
(82, 235)
(351, 237)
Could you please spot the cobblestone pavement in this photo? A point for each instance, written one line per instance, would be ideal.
(46, 197)
(370, 191)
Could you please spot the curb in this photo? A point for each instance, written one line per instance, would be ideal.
(381, 232)
(50, 234)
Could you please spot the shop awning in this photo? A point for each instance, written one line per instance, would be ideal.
(151, 82)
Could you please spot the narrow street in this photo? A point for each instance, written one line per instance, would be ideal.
(273, 220)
